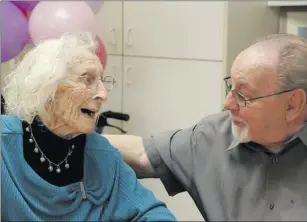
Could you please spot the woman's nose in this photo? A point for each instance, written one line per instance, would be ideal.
(101, 93)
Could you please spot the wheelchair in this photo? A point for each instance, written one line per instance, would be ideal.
(103, 121)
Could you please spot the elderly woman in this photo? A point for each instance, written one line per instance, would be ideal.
(54, 166)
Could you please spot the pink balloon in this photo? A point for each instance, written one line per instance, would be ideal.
(51, 19)
(95, 5)
(14, 31)
(101, 52)
(27, 5)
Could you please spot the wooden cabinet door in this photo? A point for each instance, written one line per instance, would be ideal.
(109, 20)
(174, 29)
(162, 94)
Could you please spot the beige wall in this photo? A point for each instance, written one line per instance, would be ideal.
(291, 18)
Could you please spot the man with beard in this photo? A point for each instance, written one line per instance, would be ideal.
(248, 162)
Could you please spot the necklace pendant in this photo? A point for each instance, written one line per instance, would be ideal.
(50, 168)
(36, 150)
(58, 170)
(42, 159)
(67, 166)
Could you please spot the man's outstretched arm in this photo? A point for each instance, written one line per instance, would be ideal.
(167, 155)
(133, 152)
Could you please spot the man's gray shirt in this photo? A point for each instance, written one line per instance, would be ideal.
(229, 180)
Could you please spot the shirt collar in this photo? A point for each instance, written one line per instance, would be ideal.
(301, 134)
(235, 143)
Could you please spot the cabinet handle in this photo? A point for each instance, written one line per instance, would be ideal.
(128, 42)
(128, 82)
(113, 31)
(114, 71)
(114, 75)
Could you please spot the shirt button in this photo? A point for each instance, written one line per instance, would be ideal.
(271, 206)
(275, 159)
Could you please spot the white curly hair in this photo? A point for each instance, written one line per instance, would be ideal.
(33, 83)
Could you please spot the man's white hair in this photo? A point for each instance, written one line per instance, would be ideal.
(33, 83)
(292, 59)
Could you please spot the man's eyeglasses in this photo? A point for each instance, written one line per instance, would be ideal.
(240, 99)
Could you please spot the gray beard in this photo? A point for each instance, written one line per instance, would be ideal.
(236, 135)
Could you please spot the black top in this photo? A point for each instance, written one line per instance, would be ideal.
(2, 105)
(55, 148)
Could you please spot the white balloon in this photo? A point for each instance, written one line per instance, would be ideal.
(95, 5)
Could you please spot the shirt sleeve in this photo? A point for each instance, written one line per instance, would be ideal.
(134, 202)
(171, 155)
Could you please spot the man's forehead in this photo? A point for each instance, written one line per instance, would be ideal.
(255, 80)
(243, 82)
(254, 65)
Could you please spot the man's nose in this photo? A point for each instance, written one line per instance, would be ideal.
(230, 103)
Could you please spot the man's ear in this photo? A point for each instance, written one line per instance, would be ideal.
(296, 104)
